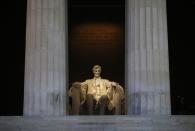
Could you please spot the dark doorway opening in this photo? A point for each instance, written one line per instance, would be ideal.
(96, 36)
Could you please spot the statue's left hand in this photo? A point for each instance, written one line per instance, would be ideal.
(114, 84)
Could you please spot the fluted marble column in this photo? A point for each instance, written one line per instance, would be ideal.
(147, 57)
(45, 62)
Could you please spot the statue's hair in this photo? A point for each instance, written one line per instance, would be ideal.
(96, 67)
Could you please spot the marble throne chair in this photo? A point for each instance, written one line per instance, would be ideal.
(77, 100)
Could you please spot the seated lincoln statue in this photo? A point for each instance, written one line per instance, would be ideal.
(96, 96)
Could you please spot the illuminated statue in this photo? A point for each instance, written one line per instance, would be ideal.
(98, 94)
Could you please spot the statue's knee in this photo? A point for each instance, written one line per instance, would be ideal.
(104, 98)
(89, 96)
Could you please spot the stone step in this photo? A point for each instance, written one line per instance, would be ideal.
(98, 123)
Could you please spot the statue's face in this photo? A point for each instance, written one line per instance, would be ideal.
(97, 72)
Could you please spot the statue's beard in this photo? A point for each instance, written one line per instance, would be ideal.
(96, 75)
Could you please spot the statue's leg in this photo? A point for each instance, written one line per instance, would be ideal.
(89, 102)
(103, 104)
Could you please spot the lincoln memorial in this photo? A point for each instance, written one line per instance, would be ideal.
(103, 71)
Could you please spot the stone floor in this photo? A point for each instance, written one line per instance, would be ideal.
(98, 123)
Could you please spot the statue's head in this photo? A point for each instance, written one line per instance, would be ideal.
(96, 70)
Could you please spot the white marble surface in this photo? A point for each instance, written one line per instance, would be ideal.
(98, 123)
